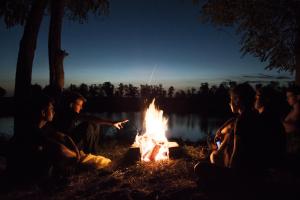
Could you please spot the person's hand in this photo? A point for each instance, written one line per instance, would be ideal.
(119, 125)
(213, 156)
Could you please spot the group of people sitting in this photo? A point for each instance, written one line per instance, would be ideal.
(256, 139)
(57, 137)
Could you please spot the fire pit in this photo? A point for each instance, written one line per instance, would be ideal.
(153, 143)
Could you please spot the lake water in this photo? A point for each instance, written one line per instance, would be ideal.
(191, 127)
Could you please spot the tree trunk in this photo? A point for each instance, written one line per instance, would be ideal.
(297, 45)
(56, 54)
(25, 61)
(297, 55)
(297, 69)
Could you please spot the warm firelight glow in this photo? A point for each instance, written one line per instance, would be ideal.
(153, 143)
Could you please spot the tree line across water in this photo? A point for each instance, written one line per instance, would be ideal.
(205, 99)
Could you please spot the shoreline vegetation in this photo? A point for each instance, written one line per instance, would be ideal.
(106, 97)
(136, 104)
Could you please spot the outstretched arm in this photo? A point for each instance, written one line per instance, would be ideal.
(97, 120)
(119, 124)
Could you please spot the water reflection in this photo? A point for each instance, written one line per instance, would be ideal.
(192, 127)
(7, 126)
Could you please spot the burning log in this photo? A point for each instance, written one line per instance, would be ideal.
(155, 152)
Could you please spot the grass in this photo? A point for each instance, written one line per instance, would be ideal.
(128, 178)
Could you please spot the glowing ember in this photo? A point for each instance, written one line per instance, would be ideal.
(153, 143)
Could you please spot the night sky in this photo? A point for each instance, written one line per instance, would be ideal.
(140, 42)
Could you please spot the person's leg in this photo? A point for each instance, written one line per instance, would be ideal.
(220, 182)
(87, 136)
(78, 134)
(92, 138)
(210, 175)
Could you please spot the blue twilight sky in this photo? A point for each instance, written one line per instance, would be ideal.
(140, 42)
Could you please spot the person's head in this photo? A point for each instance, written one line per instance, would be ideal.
(241, 98)
(43, 108)
(259, 102)
(263, 98)
(292, 95)
(77, 102)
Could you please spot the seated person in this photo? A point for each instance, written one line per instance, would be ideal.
(83, 129)
(291, 122)
(29, 148)
(272, 131)
(245, 158)
(247, 147)
(42, 147)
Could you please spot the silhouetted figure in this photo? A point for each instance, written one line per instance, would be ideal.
(29, 153)
(291, 122)
(272, 132)
(247, 146)
(82, 128)
(246, 158)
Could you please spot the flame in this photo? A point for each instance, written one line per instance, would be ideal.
(153, 143)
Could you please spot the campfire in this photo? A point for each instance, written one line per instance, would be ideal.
(153, 143)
